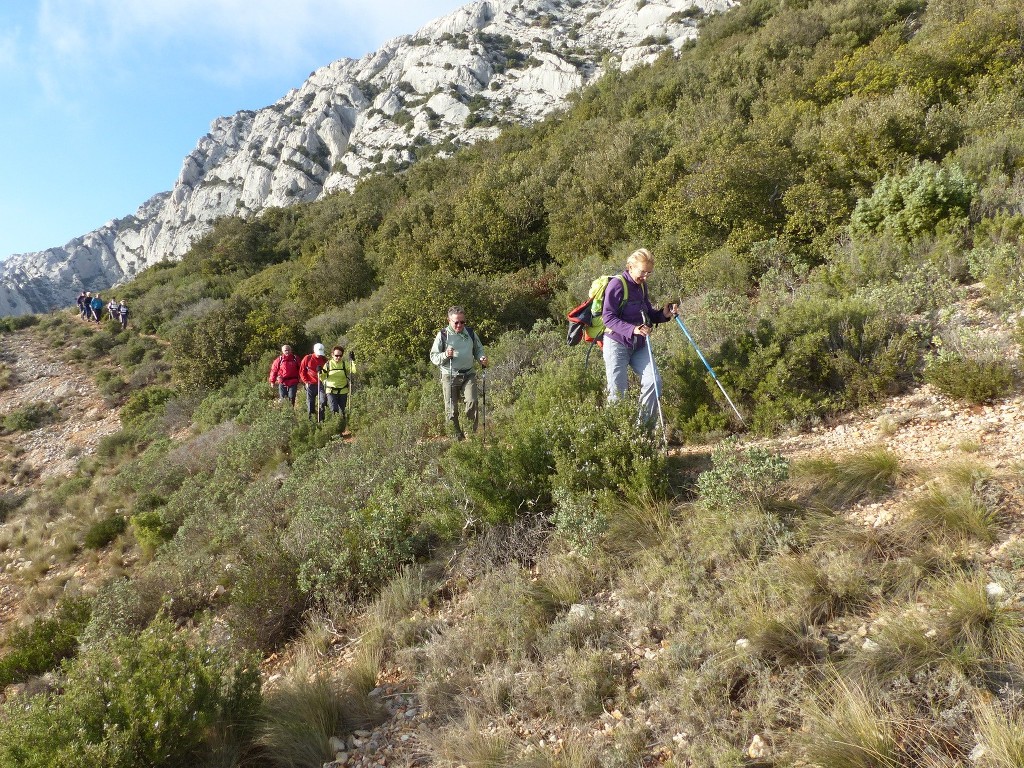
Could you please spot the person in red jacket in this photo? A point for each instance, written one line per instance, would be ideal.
(284, 374)
(309, 374)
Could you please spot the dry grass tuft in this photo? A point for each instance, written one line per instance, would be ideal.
(303, 711)
(845, 729)
(473, 744)
(832, 484)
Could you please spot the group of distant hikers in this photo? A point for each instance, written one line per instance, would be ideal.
(625, 310)
(91, 308)
(327, 380)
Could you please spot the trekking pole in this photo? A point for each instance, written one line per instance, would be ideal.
(483, 397)
(710, 370)
(657, 389)
(348, 403)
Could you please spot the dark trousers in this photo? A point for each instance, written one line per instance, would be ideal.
(287, 391)
(314, 398)
(337, 401)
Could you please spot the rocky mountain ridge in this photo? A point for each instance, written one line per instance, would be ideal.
(456, 81)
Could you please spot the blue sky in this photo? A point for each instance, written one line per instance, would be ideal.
(100, 100)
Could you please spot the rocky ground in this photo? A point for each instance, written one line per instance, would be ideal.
(39, 374)
(35, 372)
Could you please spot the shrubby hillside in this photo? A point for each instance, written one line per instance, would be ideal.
(819, 182)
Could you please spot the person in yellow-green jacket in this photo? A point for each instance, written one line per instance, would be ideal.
(336, 376)
(456, 350)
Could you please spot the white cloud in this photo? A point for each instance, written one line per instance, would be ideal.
(257, 34)
(85, 49)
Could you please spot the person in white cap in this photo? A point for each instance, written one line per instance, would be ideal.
(309, 374)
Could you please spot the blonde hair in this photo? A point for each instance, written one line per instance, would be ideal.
(641, 257)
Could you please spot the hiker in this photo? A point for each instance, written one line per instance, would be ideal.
(309, 375)
(81, 304)
(335, 376)
(122, 315)
(627, 324)
(97, 308)
(455, 350)
(113, 310)
(284, 374)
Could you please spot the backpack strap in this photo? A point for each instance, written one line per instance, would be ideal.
(625, 295)
(443, 340)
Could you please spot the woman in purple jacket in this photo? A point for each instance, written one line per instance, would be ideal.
(628, 318)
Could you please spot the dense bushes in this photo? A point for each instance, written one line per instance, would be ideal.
(561, 455)
(157, 698)
(817, 357)
(42, 645)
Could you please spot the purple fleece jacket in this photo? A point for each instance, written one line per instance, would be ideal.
(621, 318)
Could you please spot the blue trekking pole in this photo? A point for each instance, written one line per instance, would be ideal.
(713, 376)
(657, 390)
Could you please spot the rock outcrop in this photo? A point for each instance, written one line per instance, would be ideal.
(456, 81)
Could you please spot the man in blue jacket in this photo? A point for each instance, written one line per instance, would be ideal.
(97, 308)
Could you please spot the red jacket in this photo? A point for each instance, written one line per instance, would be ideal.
(309, 368)
(285, 370)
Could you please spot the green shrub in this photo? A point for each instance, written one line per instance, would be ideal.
(916, 203)
(372, 540)
(9, 502)
(361, 511)
(266, 601)
(144, 403)
(120, 445)
(999, 266)
(104, 531)
(157, 698)
(110, 384)
(31, 416)
(589, 455)
(42, 645)
(208, 350)
(817, 357)
(741, 478)
(151, 529)
(73, 486)
(17, 323)
(964, 378)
